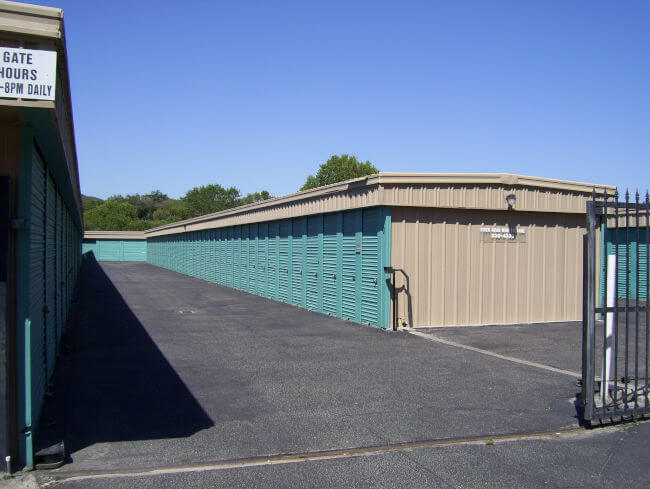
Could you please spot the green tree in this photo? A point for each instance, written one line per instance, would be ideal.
(254, 197)
(89, 203)
(210, 198)
(337, 169)
(110, 216)
(171, 210)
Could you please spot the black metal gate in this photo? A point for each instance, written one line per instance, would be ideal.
(615, 320)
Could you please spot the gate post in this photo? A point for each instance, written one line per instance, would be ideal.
(589, 316)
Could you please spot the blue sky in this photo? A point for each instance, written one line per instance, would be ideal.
(171, 95)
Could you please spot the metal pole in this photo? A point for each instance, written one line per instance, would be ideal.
(589, 321)
(29, 442)
(609, 328)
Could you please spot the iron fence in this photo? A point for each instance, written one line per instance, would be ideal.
(616, 312)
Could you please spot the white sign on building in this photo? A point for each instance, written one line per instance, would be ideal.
(27, 74)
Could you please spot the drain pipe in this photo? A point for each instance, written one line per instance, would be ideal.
(29, 442)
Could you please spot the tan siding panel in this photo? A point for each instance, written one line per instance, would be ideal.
(465, 191)
(453, 275)
(485, 197)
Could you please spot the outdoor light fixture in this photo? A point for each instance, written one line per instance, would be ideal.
(511, 199)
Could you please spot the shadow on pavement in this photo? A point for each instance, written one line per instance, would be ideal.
(112, 383)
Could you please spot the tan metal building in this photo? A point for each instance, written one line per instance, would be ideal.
(462, 254)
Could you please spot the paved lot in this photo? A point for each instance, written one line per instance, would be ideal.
(236, 376)
(611, 458)
(553, 344)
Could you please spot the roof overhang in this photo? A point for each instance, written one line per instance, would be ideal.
(36, 27)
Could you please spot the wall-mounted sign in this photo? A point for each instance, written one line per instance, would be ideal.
(27, 74)
(503, 233)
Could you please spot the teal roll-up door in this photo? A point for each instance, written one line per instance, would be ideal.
(298, 260)
(272, 275)
(351, 266)
(109, 250)
(236, 257)
(331, 256)
(244, 257)
(135, 250)
(228, 256)
(631, 248)
(262, 247)
(252, 258)
(314, 261)
(331, 263)
(50, 272)
(370, 256)
(38, 281)
(284, 259)
(212, 261)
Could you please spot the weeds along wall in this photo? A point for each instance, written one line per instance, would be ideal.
(330, 263)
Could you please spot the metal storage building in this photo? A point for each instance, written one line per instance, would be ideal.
(115, 245)
(40, 222)
(454, 247)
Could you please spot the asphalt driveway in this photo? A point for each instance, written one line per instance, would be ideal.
(159, 368)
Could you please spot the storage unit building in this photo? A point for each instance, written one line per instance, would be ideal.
(454, 249)
(115, 245)
(40, 222)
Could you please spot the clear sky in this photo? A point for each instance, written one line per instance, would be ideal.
(171, 95)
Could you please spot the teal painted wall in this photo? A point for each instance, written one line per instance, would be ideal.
(330, 263)
(117, 249)
(632, 262)
(47, 257)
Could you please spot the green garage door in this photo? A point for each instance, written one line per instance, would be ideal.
(135, 250)
(37, 282)
(298, 238)
(284, 259)
(122, 250)
(109, 250)
(271, 269)
(331, 257)
(331, 263)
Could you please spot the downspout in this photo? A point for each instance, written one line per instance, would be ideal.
(29, 442)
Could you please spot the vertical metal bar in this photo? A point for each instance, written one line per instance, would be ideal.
(29, 445)
(647, 293)
(588, 331)
(636, 309)
(603, 302)
(627, 296)
(616, 250)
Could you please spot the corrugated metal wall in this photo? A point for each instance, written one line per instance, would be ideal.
(455, 274)
(632, 262)
(116, 249)
(53, 263)
(331, 263)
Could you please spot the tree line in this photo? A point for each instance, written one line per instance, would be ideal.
(139, 212)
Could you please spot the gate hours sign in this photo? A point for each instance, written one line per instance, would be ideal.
(27, 73)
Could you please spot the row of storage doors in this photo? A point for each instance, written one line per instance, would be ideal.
(116, 250)
(331, 263)
(631, 246)
(53, 263)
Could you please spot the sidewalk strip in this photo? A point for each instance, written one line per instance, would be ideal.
(496, 355)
